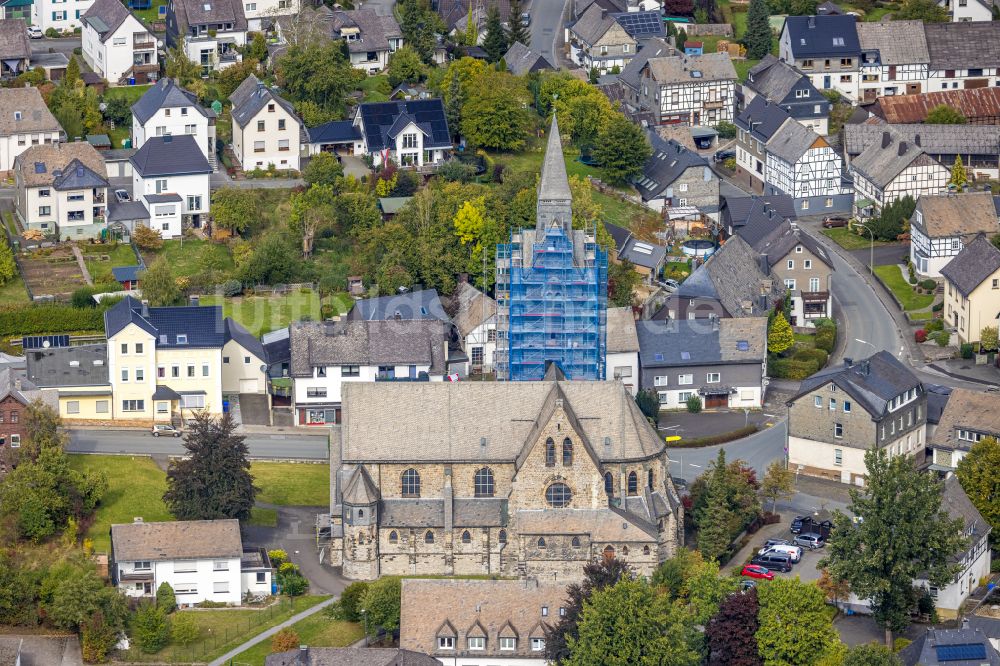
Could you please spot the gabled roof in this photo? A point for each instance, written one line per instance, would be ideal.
(642, 24)
(960, 214)
(165, 94)
(126, 273)
(251, 96)
(966, 410)
(374, 31)
(761, 118)
(775, 80)
(881, 162)
(963, 44)
(76, 176)
(872, 382)
(781, 240)
(44, 164)
(764, 212)
(973, 103)
(469, 308)
(668, 162)
(200, 12)
(965, 646)
(176, 540)
(934, 139)
(692, 68)
(170, 156)
(419, 304)
(13, 383)
(977, 262)
(733, 277)
(687, 342)
(105, 16)
(653, 48)
(592, 24)
(791, 141)
(829, 35)
(14, 43)
(349, 656)
(203, 325)
(630, 248)
(521, 60)
(236, 332)
(335, 131)
(897, 42)
(378, 117)
(24, 110)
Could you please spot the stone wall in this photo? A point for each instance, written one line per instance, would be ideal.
(707, 30)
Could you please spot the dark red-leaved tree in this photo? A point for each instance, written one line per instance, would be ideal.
(730, 635)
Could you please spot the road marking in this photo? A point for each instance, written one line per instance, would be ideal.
(693, 465)
(771, 416)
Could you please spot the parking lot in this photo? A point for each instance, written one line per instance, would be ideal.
(806, 569)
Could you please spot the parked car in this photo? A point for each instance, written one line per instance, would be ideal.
(775, 542)
(800, 522)
(756, 571)
(122, 196)
(34, 32)
(164, 430)
(526, 19)
(670, 285)
(723, 155)
(794, 552)
(834, 222)
(774, 562)
(810, 540)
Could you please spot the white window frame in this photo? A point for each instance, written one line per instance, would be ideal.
(710, 375)
(685, 380)
(446, 642)
(477, 643)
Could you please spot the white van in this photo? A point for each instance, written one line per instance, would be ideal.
(794, 552)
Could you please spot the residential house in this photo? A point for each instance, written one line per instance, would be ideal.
(798, 262)
(17, 392)
(647, 258)
(892, 169)
(804, 165)
(963, 55)
(202, 560)
(167, 363)
(979, 106)
(603, 41)
(171, 176)
(731, 283)
(784, 86)
(521, 60)
(894, 58)
(348, 656)
(411, 133)
(964, 10)
(423, 304)
(25, 122)
(688, 90)
(481, 622)
(61, 190)
(264, 14)
(675, 176)
(370, 38)
(623, 348)
(15, 50)
(75, 377)
(117, 45)
(341, 137)
(824, 48)
(721, 361)
(474, 315)
(844, 410)
(325, 356)
(167, 109)
(266, 129)
(627, 86)
(756, 123)
(972, 289)
(765, 212)
(968, 417)
(945, 647)
(59, 15)
(212, 32)
(943, 224)
(977, 145)
(513, 479)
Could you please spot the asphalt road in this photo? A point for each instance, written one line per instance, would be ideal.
(759, 450)
(61, 45)
(546, 24)
(280, 446)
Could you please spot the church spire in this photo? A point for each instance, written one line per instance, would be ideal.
(554, 198)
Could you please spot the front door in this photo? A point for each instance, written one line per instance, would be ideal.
(716, 401)
(826, 82)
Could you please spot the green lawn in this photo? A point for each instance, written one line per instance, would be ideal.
(264, 517)
(317, 630)
(292, 484)
(849, 240)
(135, 488)
(118, 254)
(189, 257)
(892, 277)
(130, 93)
(261, 314)
(376, 88)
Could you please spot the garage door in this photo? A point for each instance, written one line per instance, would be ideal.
(716, 401)
(248, 386)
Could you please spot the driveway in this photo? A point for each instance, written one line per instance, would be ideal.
(759, 450)
(354, 166)
(885, 255)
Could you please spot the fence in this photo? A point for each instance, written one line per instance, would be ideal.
(14, 251)
(243, 625)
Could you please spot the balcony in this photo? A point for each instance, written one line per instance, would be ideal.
(99, 196)
(143, 43)
(815, 296)
(145, 68)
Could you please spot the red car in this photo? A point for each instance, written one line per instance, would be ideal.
(754, 571)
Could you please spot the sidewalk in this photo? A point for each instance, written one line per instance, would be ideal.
(967, 370)
(263, 636)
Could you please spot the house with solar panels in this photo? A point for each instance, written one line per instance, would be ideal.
(952, 647)
(411, 133)
(604, 40)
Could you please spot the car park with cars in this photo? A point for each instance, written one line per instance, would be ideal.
(757, 571)
(810, 540)
(774, 562)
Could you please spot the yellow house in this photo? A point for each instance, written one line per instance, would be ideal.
(972, 289)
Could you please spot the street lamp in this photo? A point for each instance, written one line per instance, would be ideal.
(364, 614)
(871, 259)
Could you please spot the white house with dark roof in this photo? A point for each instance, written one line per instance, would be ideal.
(892, 169)
(117, 45)
(266, 129)
(944, 224)
(968, 10)
(171, 176)
(26, 121)
(167, 109)
(474, 315)
(412, 133)
(894, 58)
(370, 39)
(826, 49)
(61, 190)
(212, 31)
(622, 348)
(201, 560)
(803, 165)
(963, 54)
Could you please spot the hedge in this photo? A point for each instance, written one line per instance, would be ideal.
(817, 355)
(790, 368)
(48, 319)
(826, 338)
(709, 440)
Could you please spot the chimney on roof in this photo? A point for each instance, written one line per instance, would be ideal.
(17, 383)
(902, 148)
(866, 367)
(916, 140)
(604, 14)
(886, 139)
(812, 22)
(145, 308)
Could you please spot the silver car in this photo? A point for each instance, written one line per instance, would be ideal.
(810, 540)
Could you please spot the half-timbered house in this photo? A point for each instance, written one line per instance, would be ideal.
(963, 55)
(978, 145)
(803, 165)
(891, 169)
(689, 90)
(943, 224)
(894, 58)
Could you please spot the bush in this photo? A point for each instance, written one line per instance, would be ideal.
(165, 598)
(825, 339)
(928, 284)
(83, 298)
(183, 629)
(934, 325)
(284, 640)
(694, 404)
(456, 171)
(211, 604)
(16, 320)
(968, 351)
(920, 335)
(937, 307)
(709, 440)
(729, 163)
(147, 238)
(900, 643)
(942, 338)
(350, 601)
(151, 628)
(232, 288)
(817, 356)
(51, 33)
(277, 557)
(791, 368)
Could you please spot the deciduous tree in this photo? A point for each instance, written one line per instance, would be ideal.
(381, 601)
(214, 481)
(621, 149)
(405, 65)
(284, 640)
(988, 338)
(731, 635)
(8, 267)
(795, 625)
(158, 284)
(871, 654)
(181, 68)
(778, 483)
(942, 114)
(927, 11)
(420, 25)
(494, 114)
(184, 630)
(147, 238)
(323, 169)
(319, 74)
(902, 532)
(622, 282)
(150, 628)
(977, 472)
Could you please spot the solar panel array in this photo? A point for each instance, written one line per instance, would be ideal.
(641, 24)
(44, 341)
(962, 652)
(428, 113)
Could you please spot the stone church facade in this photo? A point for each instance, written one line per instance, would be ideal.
(496, 478)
